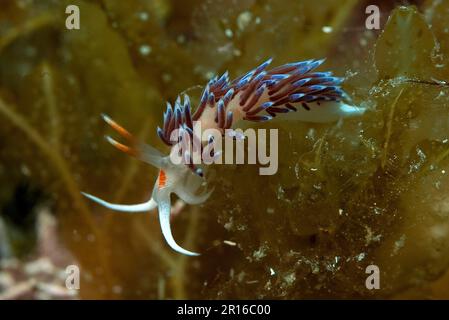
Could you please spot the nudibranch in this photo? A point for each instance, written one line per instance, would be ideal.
(292, 91)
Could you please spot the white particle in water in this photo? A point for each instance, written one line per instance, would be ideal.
(145, 50)
(363, 42)
(25, 170)
(327, 29)
(437, 185)
(244, 19)
(166, 77)
(230, 243)
(117, 289)
(229, 33)
(290, 278)
(143, 16)
(209, 74)
(181, 38)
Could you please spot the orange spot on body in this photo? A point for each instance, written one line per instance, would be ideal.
(162, 179)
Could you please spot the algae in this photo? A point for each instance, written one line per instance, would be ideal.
(370, 190)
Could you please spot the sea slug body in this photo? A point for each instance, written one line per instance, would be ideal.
(292, 92)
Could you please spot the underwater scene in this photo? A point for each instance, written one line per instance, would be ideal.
(224, 149)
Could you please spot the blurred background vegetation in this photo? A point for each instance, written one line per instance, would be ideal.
(372, 190)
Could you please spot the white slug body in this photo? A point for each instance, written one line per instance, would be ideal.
(288, 92)
(324, 112)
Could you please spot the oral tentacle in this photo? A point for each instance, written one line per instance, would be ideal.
(164, 220)
(141, 207)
